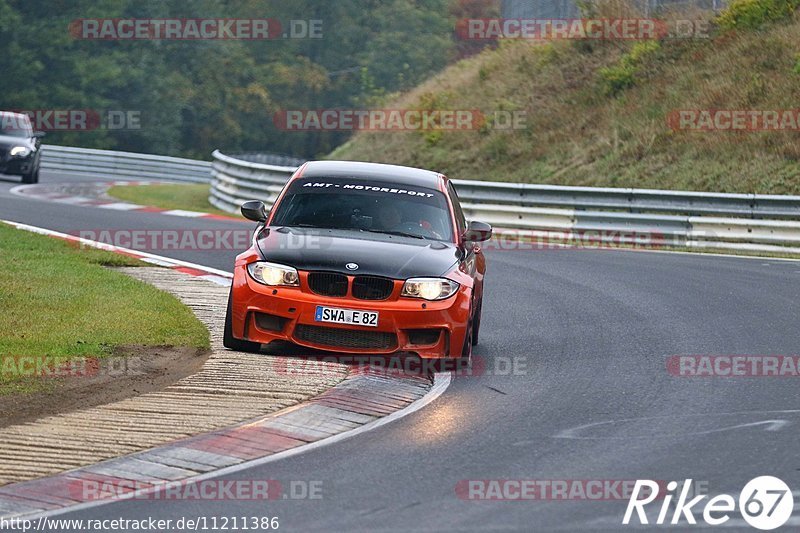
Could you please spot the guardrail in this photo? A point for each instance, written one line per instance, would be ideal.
(762, 223)
(234, 181)
(105, 164)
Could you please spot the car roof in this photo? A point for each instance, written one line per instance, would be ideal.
(374, 171)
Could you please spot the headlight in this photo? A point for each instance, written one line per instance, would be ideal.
(429, 288)
(273, 275)
(20, 150)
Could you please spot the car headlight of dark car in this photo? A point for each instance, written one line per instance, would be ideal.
(20, 151)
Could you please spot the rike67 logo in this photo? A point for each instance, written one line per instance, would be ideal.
(765, 503)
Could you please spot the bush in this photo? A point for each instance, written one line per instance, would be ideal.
(750, 14)
(617, 78)
(621, 76)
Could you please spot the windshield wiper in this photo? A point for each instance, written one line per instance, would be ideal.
(383, 231)
(394, 232)
(313, 226)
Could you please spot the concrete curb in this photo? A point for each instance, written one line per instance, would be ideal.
(360, 399)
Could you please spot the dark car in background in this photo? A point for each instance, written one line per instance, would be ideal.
(20, 147)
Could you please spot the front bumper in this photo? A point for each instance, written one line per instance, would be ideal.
(17, 166)
(265, 314)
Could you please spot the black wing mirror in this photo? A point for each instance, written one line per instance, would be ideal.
(478, 232)
(255, 210)
(39, 134)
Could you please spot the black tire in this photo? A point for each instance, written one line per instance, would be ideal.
(231, 342)
(32, 177)
(476, 328)
(465, 360)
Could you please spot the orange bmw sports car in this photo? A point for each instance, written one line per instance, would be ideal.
(360, 258)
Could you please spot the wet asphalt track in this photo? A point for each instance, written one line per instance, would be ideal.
(589, 332)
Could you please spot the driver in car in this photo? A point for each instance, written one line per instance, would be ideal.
(391, 218)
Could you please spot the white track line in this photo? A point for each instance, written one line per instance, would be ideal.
(122, 206)
(708, 254)
(156, 259)
(183, 213)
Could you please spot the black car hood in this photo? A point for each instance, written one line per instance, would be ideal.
(375, 254)
(7, 141)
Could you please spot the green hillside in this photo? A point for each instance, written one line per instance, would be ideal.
(597, 112)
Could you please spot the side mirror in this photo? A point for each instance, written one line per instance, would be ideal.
(255, 210)
(39, 134)
(478, 232)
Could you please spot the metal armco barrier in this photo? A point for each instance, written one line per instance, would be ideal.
(235, 181)
(108, 164)
(744, 222)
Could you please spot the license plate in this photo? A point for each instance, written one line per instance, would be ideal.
(346, 316)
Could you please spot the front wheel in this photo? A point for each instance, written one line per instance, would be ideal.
(466, 350)
(31, 177)
(459, 362)
(476, 328)
(231, 342)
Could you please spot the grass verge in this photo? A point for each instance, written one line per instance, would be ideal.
(189, 197)
(59, 303)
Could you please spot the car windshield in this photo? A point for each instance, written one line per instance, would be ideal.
(366, 206)
(15, 125)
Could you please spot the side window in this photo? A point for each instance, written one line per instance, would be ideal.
(461, 222)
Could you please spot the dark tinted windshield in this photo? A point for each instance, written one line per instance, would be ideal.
(363, 205)
(15, 125)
